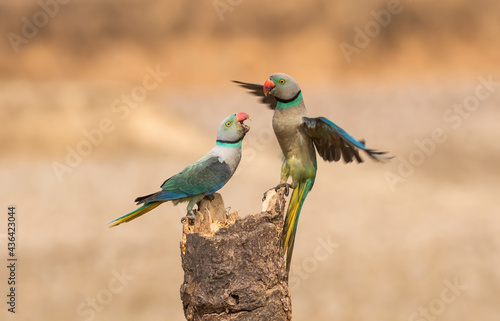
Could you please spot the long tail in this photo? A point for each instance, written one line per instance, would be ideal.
(292, 218)
(135, 214)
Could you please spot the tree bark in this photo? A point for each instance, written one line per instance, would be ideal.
(234, 267)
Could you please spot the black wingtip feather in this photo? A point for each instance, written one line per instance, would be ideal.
(141, 199)
(258, 90)
(378, 156)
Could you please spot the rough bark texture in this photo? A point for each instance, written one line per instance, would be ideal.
(234, 267)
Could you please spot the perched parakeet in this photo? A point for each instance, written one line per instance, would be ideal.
(204, 177)
(297, 136)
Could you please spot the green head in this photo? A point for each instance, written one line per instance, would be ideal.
(284, 89)
(232, 129)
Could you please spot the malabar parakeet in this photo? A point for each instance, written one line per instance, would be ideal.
(202, 178)
(298, 135)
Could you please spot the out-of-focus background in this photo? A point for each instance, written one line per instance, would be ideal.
(100, 101)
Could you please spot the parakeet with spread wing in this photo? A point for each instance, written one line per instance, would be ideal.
(298, 135)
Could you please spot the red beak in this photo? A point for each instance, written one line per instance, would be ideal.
(241, 117)
(268, 86)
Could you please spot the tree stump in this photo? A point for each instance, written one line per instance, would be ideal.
(234, 267)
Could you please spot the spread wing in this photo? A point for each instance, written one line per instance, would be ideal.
(332, 142)
(206, 176)
(258, 90)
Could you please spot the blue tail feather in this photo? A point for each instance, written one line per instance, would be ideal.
(160, 196)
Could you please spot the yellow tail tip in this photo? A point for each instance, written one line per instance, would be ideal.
(134, 214)
(114, 224)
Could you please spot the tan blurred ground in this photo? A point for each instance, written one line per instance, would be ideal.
(397, 245)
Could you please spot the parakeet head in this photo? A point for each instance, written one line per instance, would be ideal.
(232, 129)
(282, 87)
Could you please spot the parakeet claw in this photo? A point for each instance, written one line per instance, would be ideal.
(276, 188)
(288, 185)
(191, 216)
(210, 197)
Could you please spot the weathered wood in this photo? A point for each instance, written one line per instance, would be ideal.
(234, 267)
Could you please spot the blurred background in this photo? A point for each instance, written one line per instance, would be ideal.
(101, 101)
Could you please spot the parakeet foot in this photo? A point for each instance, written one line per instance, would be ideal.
(190, 216)
(210, 197)
(288, 185)
(276, 188)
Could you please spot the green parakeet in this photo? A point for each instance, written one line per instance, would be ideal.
(203, 177)
(298, 135)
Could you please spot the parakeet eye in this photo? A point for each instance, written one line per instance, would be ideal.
(228, 123)
(282, 81)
